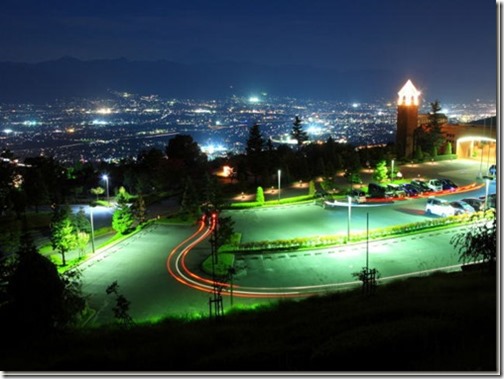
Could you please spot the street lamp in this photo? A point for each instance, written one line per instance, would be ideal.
(487, 181)
(106, 178)
(392, 172)
(349, 216)
(92, 227)
(279, 181)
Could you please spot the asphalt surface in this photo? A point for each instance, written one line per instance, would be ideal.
(139, 264)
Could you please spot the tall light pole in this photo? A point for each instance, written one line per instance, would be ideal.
(392, 172)
(486, 193)
(92, 227)
(279, 181)
(105, 177)
(349, 217)
(481, 163)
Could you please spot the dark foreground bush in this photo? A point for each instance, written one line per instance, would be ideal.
(445, 322)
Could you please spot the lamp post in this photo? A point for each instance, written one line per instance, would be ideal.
(106, 178)
(279, 181)
(392, 172)
(349, 217)
(487, 181)
(92, 227)
(481, 163)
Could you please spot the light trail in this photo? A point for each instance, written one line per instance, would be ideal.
(185, 276)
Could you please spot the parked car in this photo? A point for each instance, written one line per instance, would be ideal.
(461, 207)
(435, 185)
(353, 177)
(357, 196)
(477, 204)
(420, 185)
(448, 185)
(396, 190)
(409, 190)
(492, 170)
(491, 201)
(321, 193)
(439, 207)
(378, 190)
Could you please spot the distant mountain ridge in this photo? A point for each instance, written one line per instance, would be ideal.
(69, 77)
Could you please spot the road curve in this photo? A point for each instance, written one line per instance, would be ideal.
(178, 269)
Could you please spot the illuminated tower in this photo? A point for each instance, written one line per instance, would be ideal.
(407, 119)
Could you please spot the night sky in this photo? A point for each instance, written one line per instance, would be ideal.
(456, 38)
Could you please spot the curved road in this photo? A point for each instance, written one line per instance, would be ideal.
(158, 273)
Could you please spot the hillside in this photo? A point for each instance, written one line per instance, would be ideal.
(445, 322)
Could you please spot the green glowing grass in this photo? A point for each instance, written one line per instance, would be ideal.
(224, 262)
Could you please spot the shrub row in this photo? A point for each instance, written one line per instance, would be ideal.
(287, 200)
(328, 240)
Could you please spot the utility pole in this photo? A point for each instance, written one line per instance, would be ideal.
(215, 302)
(92, 227)
(369, 275)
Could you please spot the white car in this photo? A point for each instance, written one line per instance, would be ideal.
(435, 185)
(439, 207)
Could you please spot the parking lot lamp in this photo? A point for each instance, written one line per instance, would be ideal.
(92, 227)
(106, 178)
(349, 216)
(487, 182)
(279, 181)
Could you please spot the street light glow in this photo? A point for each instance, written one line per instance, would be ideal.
(106, 178)
(279, 180)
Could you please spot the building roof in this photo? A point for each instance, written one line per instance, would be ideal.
(408, 95)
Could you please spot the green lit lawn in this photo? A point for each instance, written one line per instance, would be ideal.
(224, 262)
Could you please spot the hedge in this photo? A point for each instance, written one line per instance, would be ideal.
(329, 240)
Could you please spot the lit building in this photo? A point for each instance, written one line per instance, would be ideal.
(407, 119)
(473, 140)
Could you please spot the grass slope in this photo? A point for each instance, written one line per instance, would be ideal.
(445, 322)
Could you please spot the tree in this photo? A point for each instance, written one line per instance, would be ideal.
(122, 219)
(122, 305)
(255, 145)
(260, 195)
(311, 188)
(225, 230)
(419, 153)
(448, 148)
(63, 238)
(54, 175)
(39, 299)
(139, 210)
(381, 170)
(479, 243)
(298, 133)
(19, 201)
(97, 191)
(80, 221)
(429, 136)
(36, 189)
(183, 147)
(213, 192)
(81, 241)
(189, 203)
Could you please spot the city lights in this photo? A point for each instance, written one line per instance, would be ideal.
(134, 123)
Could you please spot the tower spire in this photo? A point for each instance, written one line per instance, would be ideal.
(408, 95)
(407, 120)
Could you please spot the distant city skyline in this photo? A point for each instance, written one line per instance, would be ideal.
(124, 124)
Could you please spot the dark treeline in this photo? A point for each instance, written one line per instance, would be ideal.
(180, 169)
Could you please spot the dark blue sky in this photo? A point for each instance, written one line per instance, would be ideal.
(456, 38)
